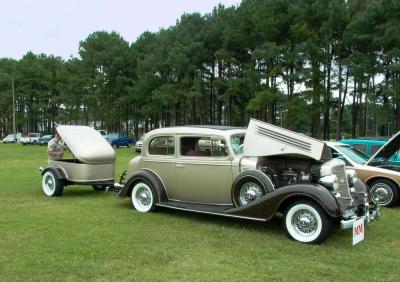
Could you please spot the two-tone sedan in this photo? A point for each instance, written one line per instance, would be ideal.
(251, 174)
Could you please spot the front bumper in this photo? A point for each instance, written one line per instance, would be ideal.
(369, 217)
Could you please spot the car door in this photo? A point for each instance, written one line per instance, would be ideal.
(203, 170)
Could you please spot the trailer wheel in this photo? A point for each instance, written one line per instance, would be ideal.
(51, 185)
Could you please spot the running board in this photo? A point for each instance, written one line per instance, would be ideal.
(220, 210)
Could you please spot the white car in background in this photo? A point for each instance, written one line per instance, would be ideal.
(10, 138)
(31, 138)
(139, 144)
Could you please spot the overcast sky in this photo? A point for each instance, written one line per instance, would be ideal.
(56, 27)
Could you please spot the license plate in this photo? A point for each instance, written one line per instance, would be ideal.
(358, 230)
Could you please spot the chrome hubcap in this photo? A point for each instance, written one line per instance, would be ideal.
(143, 196)
(49, 182)
(250, 191)
(305, 222)
(382, 192)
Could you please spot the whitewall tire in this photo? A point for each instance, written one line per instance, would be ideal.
(51, 185)
(142, 197)
(307, 222)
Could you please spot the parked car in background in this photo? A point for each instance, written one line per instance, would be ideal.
(139, 144)
(367, 145)
(44, 140)
(31, 138)
(247, 174)
(378, 171)
(10, 138)
(118, 140)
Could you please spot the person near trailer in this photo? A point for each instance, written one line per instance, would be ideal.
(55, 148)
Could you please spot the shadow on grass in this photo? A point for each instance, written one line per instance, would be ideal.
(83, 191)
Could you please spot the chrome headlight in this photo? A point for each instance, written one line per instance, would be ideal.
(352, 176)
(330, 181)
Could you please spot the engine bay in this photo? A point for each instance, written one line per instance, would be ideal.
(285, 171)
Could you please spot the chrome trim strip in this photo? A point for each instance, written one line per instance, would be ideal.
(221, 214)
(179, 201)
(284, 139)
(91, 181)
(204, 163)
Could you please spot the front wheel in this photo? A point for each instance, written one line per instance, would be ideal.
(306, 222)
(51, 185)
(129, 145)
(142, 197)
(385, 192)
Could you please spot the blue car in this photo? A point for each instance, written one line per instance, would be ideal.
(44, 140)
(117, 140)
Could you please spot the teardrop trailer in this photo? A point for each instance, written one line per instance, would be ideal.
(93, 162)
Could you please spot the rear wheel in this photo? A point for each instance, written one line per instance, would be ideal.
(51, 185)
(385, 192)
(142, 197)
(306, 222)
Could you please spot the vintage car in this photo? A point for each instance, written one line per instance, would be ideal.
(381, 171)
(249, 174)
(93, 162)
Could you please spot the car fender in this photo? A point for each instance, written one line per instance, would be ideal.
(56, 170)
(267, 206)
(149, 176)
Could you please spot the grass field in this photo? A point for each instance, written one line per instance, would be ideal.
(87, 235)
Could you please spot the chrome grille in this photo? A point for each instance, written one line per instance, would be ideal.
(345, 198)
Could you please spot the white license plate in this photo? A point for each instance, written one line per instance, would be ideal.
(358, 230)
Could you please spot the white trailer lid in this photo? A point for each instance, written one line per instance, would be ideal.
(87, 144)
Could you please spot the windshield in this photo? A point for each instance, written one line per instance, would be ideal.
(32, 135)
(10, 136)
(354, 154)
(237, 144)
(47, 136)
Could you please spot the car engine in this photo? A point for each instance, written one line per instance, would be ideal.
(285, 171)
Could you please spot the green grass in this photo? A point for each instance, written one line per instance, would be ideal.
(87, 235)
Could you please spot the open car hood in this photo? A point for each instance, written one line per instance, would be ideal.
(388, 149)
(86, 144)
(263, 139)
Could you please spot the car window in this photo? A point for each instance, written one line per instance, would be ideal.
(199, 146)
(375, 148)
(361, 147)
(164, 145)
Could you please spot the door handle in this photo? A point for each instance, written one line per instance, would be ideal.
(179, 165)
